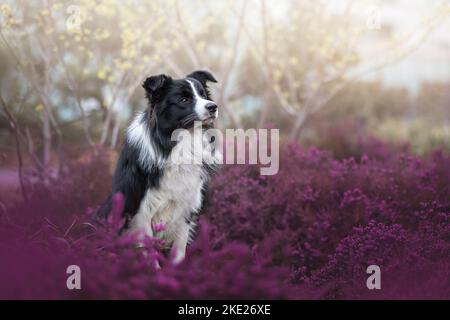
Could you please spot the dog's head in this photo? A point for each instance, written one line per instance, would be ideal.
(179, 103)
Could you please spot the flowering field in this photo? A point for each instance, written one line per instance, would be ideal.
(308, 232)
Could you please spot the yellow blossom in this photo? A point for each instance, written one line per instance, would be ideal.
(101, 74)
(56, 6)
(5, 9)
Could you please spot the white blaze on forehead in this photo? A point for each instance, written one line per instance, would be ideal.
(200, 103)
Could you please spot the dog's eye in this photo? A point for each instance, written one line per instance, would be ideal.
(185, 99)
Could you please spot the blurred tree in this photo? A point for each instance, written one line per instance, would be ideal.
(88, 56)
(310, 52)
(433, 102)
(83, 61)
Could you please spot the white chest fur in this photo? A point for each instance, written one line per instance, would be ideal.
(179, 193)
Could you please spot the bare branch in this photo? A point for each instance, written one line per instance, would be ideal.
(15, 128)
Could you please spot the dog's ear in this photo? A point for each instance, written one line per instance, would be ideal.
(154, 85)
(202, 76)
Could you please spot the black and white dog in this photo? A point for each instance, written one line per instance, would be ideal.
(155, 172)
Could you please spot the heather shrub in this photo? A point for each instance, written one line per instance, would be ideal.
(337, 217)
(309, 231)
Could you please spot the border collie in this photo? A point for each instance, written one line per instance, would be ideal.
(160, 183)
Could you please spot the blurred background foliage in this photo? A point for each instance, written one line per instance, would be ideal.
(321, 71)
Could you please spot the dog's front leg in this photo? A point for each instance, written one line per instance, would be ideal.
(178, 251)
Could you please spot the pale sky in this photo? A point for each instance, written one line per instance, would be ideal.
(430, 62)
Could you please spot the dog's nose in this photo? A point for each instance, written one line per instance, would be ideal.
(211, 107)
